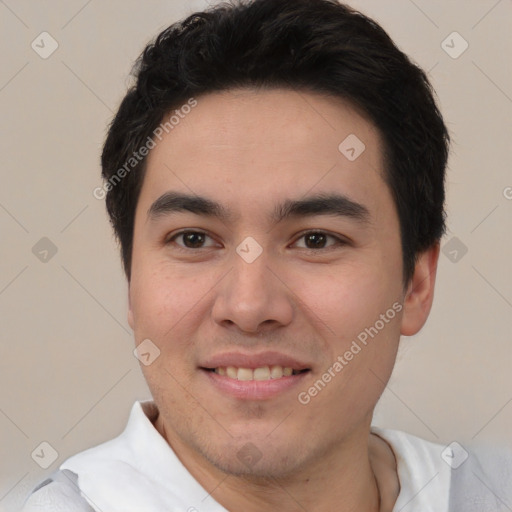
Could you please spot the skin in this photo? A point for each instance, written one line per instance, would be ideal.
(250, 150)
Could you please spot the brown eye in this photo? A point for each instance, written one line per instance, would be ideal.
(315, 240)
(190, 239)
(193, 240)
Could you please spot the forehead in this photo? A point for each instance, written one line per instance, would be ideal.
(246, 143)
(275, 118)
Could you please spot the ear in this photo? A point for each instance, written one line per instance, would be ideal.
(130, 312)
(420, 292)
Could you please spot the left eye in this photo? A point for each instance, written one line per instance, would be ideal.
(313, 240)
(318, 239)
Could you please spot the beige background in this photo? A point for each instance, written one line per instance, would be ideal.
(67, 372)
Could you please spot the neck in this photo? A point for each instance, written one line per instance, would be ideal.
(341, 480)
(323, 488)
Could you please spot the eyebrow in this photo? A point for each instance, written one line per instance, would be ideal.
(320, 204)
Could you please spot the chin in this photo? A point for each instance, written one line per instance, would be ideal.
(255, 460)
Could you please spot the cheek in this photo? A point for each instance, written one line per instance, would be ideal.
(363, 327)
(346, 299)
(169, 302)
(164, 309)
(158, 300)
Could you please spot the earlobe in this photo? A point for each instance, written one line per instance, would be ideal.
(420, 292)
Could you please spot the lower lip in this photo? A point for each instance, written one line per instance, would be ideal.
(253, 389)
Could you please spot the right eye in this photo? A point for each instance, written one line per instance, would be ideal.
(190, 240)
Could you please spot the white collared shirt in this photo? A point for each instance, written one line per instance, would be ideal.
(139, 472)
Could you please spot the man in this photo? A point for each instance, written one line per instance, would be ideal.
(275, 178)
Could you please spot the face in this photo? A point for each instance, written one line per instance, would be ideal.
(267, 270)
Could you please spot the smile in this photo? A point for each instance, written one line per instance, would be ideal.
(262, 373)
(254, 376)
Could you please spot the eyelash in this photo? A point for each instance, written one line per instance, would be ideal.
(339, 241)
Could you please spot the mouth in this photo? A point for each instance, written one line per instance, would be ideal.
(253, 376)
(263, 373)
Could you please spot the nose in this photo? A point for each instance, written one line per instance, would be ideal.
(254, 297)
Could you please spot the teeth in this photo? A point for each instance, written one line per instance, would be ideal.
(231, 372)
(245, 374)
(276, 372)
(263, 373)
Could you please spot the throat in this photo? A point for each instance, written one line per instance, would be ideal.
(385, 470)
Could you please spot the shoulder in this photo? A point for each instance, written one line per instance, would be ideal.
(58, 493)
(457, 476)
(66, 489)
(423, 474)
(135, 471)
(484, 481)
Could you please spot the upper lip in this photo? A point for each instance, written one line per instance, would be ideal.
(241, 360)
